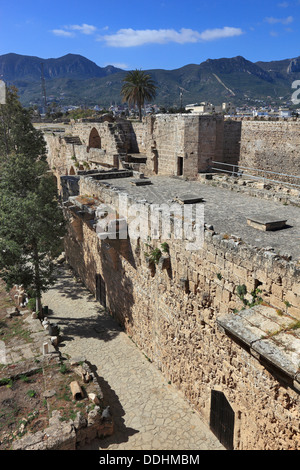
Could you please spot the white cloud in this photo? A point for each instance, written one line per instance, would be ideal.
(130, 37)
(62, 32)
(69, 31)
(283, 5)
(84, 28)
(273, 20)
(217, 33)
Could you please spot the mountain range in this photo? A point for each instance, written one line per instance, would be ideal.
(76, 80)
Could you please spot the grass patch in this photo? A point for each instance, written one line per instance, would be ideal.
(16, 330)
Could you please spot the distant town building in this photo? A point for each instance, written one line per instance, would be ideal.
(285, 112)
(209, 108)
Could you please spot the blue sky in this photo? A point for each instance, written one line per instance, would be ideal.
(141, 34)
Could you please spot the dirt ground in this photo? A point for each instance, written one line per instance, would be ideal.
(27, 399)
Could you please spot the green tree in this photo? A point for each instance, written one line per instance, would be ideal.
(17, 135)
(137, 88)
(31, 221)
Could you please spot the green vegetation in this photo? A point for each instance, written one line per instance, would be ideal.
(6, 381)
(15, 330)
(241, 291)
(31, 222)
(31, 304)
(165, 247)
(137, 88)
(90, 85)
(63, 369)
(295, 325)
(154, 255)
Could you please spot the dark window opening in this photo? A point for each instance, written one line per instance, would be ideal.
(179, 166)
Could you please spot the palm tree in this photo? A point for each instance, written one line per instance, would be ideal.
(138, 86)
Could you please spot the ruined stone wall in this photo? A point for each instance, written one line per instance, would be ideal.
(171, 314)
(113, 138)
(211, 136)
(271, 145)
(231, 142)
(60, 156)
(66, 157)
(138, 132)
(197, 140)
(165, 135)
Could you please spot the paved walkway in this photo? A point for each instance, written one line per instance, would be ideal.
(149, 414)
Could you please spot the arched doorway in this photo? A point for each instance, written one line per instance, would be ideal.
(94, 139)
(72, 171)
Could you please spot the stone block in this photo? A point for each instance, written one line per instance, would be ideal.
(276, 302)
(277, 291)
(266, 223)
(210, 257)
(293, 299)
(294, 312)
(226, 296)
(240, 272)
(296, 289)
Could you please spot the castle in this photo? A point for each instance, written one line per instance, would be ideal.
(220, 320)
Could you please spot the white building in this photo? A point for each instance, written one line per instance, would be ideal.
(285, 112)
(209, 108)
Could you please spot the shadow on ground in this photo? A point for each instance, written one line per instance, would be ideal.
(99, 325)
(121, 432)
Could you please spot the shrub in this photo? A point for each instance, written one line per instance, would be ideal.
(31, 304)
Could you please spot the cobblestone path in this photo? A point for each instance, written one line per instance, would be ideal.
(149, 414)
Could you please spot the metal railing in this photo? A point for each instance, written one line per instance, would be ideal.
(242, 171)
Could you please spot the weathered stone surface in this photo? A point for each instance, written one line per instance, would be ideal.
(266, 223)
(49, 393)
(174, 323)
(270, 336)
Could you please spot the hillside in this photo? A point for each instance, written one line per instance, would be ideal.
(73, 79)
(18, 67)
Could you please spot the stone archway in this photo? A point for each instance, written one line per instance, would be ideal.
(94, 139)
(72, 171)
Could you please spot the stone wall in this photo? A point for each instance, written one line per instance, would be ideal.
(231, 142)
(74, 150)
(173, 145)
(180, 145)
(171, 310)
(272, 146)
(197, 140)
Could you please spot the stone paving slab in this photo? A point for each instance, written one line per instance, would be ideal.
(148, 413)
